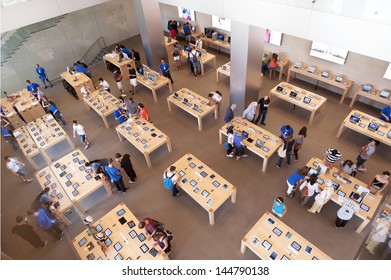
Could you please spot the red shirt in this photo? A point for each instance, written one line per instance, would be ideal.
(144, 114)
(173, 34)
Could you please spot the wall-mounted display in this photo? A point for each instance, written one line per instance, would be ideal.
(221, 23)
(273, 37)
(329, 53)
(186, 14)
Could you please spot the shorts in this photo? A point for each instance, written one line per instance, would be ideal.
(272, 68)
(82, 138)
(119, 84)
(360, 161)
(20, 172)
(133, 82)
(176, 58)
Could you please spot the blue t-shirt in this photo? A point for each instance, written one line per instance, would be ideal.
(41, 72)
(165, 68)
(32, 87)
(186, 29)
(127, 52)
(279, 209)
(54, 109)
(80, 68)
(5, 132)
(229, 115)
(43, 220)
(118, 113)
(295, 177)
(113, 173)
(386, 111)
(285, 132)
(237, 140)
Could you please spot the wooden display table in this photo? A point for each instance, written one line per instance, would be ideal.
(27, 145)
(143, 135)
(362, 126)
(28, 107)
(124, 239)
(282, 63)
(103, 103)
(46, 178)
(344, 84)
(374, 94)
(204, 59)
(74, 179)
(271, 239)
(169, 44)
(193, 99)
(77, 85)
(46, 132)
(111, 59)
(204, 185)
(268, 143)
(226, 70)
(299, 97)
(153, 86)
(345, 185)
(220, 44)
(192, 34)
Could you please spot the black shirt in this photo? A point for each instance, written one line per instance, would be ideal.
(136, 56)
(117, 77)
(262, 102)
(132, 73)
(126, 163)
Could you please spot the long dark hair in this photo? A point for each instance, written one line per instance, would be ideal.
(303, 131)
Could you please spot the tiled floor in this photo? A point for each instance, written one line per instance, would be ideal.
(194, 237)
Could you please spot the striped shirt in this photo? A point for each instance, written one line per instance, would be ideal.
(331, 159)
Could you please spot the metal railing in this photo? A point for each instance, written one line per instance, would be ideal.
(92, 51)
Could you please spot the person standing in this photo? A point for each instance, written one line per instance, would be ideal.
(171, 174)
(31, 87)
(186, 30)
(308, 188)
(285, 151)
(126, 164)
(240, 148)
(165, 69)
(176, 54)
(364, 154)
(26, 231)
(379, 182)
(279, 207)
(115, 177)
(385, 114)
(46, 223)
(136, 58)
(119, 115)
(348, 167)
(143, 112)
(81, 132)
(249, 113)
(118, 79)
(322, 198)
(378, 234)
(331, 157)
(132, 78)
(43, 76)
(299, 142)
(16, 167)
(295, 178)
(194, 59)
(104, 85)
(131, 108)
(229, 114)
(285, 131)
(346, 212)
(263, 106)
(230, 140)
(173, 33)
(272, 66)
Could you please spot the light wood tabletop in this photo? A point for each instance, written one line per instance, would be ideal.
(103, 103)
(272, 239)
(367, 125)
(282, 63)
(143, 135)
(27, 145)
(204, 59)
(154, 85)
(112, 58)
(299, 97)
(171, 43)
(77, 181)
(221, 44)
(193, 103)
(260, 141)
(46, 178)
(321, 76)
(81, 79)
(382, 96)
(46, 132)
(203, 184)
(125, 241)
(226, 70)
(345, 185)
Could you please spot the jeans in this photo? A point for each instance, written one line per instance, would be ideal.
(44, 79)
(131, 173)
(262, 113)
(197, 68)
(119, 184)
(239, 151)
(341, 223)
(288, 159)
(55, 231)
(174, 190)
(168, 75)
(60, 119)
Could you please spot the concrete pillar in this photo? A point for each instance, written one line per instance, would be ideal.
(150, 25)
(246, 64)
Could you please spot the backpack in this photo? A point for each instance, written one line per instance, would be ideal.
(168, 184)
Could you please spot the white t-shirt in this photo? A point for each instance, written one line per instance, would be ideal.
(380, 231)
(230, 139)
(311, 188)
(349, 207)
(324, 195)
(217, 97)
(84, 90)
(169, 174)
(104, 84)
(13, 165)
(79, 129)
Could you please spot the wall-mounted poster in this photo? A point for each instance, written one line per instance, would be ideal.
(329, 53)
(221, 23)
(272, 37)
(186, 14)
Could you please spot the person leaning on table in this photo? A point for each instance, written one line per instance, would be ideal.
(279, 207)
(322, 198)
(346, 212)
(171, 173)
(386, 114)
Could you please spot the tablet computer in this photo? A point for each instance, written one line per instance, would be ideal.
(364, 207)
(203, 174)
(273, 255)
(131, 224)
(277, 231)
(279, 88)
(107, 232)
(122, 220)
(341, 193)
(192, 165)
(296, 246)
(82, 241)
(181, 173)
(216, 184)
(153, 252)
(271, 221)
(75, 193)
(193, 183)
(266, 244)
(144, 248)
(308, 249)
(117, 246)
(118, 257)
(108, 242)
(141, 237)
(120, 212)
(98, 228)
(133, 234)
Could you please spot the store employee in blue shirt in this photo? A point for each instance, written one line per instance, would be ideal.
(31, 87)
(165, 69)
(42, 75)
(386, 114)
(82, 69)
(285, 131)
(126, 51)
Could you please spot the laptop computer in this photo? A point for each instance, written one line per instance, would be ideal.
(373, 127)
(297, 65)
(384, 94)
(366, 88)
(338, 79)
(354, 119)
(279, 88)
(325, 74)
(259, 143)
(311, 69)
(293, 94)
(245, 134)
(307, 100)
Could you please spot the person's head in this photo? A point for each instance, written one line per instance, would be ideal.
(172, 169)
(120, 98)
(233, 106)
(46, 190)
(100, 79)
(122, 46)
(157, 236)
(28, 82)
(386, 174)
(78, 62)
(356, 196)
(141, 105)
(74, 64)
(334, 152)
(111, 161)
(19, 219)
(287, 127)
(37, 65)
(118, 156)
(230, 129)
(313, 178)
(131, 99)
(303, 131)
(266, 97)
(74, 122)
(141, 225)
(6, 158)
(87, 164)
(162, 60)
(274, 56)
(280, 200)
(347, 162)
(119, 50)
(100, 236)
(210, 94)
(373, 142)
(303, 171)
(187, 23)
(88, 220)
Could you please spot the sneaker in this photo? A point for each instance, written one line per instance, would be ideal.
(277, 166)
(29, 180)
(123, 94)
(132, 182)
(45, 243)
(178, 193)
(245, 156)
(263, 123)
(309, 210)
(287, 165)
(237, 158)
(86, 147)
(336, 227)
(362, 169)
(230, 155)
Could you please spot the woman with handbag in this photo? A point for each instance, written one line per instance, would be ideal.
(299, 142)
(308, 188)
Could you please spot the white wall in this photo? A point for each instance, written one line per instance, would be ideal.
(58, 47)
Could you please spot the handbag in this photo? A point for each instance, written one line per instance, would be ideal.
(282, 152)
(304, 191)
(297, 146)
